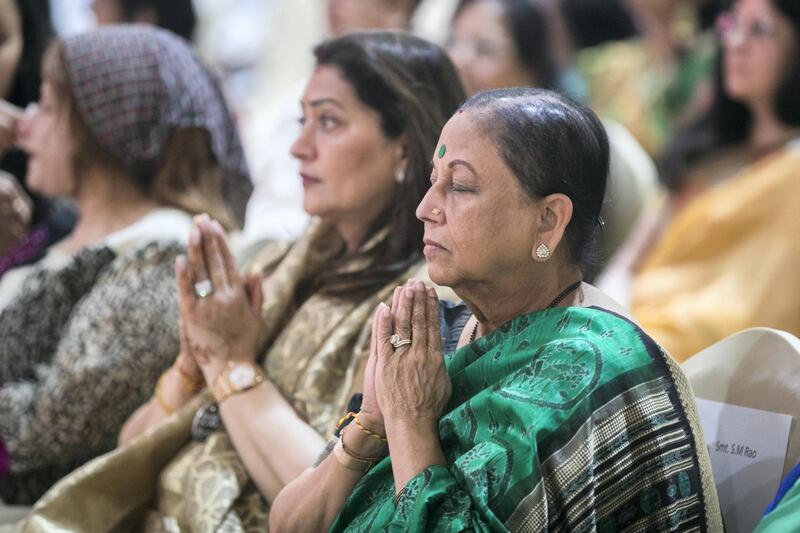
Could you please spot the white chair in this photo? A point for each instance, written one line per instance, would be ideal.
(757, 368)
(632, 181)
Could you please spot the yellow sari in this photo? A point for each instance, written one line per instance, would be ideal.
(729, 261)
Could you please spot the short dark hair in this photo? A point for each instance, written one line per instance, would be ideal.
(177, 16)
(728, 122)
(552, 144)
(530, 32)
(415, 88)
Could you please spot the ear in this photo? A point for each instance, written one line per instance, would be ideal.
(555, 212)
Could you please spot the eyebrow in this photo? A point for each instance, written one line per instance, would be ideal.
(456, 162)
(322, 101)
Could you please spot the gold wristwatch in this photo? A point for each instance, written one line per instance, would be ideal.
(237, 377)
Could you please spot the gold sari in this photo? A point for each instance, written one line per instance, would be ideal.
(163, 480)
(728, 261)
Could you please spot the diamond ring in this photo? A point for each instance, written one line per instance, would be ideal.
(203, 288)
(397, 342)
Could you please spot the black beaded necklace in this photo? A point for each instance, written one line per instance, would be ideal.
(557, 300)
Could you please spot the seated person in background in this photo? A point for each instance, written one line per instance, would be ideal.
(135, 131)
(29, 223)
(783, 514)
(723, 253)
(177, 16)
(556, 413)
(276, 210)
(282, 361)
(657, 81)
(513, 43)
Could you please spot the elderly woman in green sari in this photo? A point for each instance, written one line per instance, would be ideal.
(555, 412)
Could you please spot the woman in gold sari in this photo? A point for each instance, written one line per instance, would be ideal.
(722, 254)
(280, 352)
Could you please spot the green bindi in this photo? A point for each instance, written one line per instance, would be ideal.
(442, 150)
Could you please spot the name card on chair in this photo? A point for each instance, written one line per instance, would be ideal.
(747, 449)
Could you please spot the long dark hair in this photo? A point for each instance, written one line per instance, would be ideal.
(728, 122)
(530, 30)
(414, 87)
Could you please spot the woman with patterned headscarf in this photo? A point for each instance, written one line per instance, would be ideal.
(135, 130)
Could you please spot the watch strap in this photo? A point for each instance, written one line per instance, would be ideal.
(224, 387)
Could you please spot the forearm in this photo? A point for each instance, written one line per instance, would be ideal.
(313, 501)
(172, 395)
(275, 445)
(413, 446)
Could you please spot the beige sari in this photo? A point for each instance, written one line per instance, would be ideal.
(164, 480)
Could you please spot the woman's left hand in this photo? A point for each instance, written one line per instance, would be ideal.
(411, 382)
(221, 321)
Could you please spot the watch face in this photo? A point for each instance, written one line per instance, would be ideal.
(242, 376)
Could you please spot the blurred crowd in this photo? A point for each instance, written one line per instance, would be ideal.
(198, 192)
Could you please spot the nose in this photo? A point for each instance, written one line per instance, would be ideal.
(429, 209)
(303, 147)
(25, 124)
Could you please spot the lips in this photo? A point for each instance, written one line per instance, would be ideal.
(432, 246)
(309, 180)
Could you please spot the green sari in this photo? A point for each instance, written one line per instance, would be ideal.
(566, 419)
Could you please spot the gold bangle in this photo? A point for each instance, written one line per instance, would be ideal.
(351, 460)
(369, 433)
(355, 455)
(193, 382)
(159, 398)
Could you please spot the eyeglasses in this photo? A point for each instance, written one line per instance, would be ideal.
(732, 31)
(479, 48)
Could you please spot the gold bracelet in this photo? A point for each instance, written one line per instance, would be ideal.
(159, 398)
(369, 433)
(354, 455)
(194, 383)
(351, 460)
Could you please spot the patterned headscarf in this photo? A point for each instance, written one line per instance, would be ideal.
(134, 83)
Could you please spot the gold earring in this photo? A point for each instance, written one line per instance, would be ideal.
(542, 252)
(436, 211)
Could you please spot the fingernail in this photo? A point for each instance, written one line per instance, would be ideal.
(217, 226)
(419, 286)
(194, 236)
(432, 293)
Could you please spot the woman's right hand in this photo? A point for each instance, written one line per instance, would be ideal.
(10, 116)
(16, 212)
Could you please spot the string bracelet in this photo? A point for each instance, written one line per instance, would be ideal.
(367, 432)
